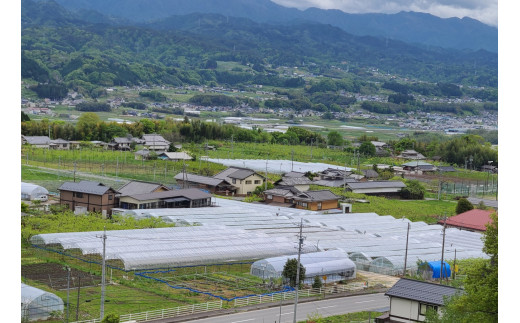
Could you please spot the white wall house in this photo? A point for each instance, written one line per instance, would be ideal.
(410, 299)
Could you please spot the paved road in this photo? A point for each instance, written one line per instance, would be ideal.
(330, 307)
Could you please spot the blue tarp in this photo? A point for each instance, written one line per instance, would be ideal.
(436, 268)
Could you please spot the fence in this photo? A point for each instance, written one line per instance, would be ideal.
(239, 302)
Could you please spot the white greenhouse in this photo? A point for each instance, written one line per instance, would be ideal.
(31, 192)
(38, 304)
(334, 264)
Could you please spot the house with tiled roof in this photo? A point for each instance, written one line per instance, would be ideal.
(36, 141)
(91, 196)
(472, 220)
(243, 179)
(411, 299)
(211, 184)
(316, 200)
(184, 198)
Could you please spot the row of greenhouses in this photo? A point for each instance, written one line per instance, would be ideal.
(233, 232)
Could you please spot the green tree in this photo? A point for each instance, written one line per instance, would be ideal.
(367, 149)
(25, 117)
(87, 124)
(463, 205)
(413, 190)
(334, 138)
(317, 282)
(479, 301)
(290, 271)
(261, 188)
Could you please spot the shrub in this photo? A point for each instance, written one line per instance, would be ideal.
(317, 282)
(413, 190)
(463, 205)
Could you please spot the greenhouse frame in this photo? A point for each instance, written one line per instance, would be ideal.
(38, 304)
(32, 192)
(231, 232)
(335, 265)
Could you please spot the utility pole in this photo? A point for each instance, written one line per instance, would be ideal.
(77, 302)
(292, 159)
(68, 289)
(311, 149)
(102, 305)
(443, 238)
(454, 263)
(266, 171)
(300, 243)
(406, 250)
(74, 171)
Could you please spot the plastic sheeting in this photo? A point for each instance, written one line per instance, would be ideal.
(333, 263)
(38, 304)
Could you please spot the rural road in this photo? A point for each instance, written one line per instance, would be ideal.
(325, 308)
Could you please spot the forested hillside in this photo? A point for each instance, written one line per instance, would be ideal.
(59, 47)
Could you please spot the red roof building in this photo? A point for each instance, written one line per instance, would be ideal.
(474, 220)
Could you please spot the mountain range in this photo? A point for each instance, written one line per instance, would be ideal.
(410, 27)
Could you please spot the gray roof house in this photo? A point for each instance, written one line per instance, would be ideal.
(294, 174)
(60, 144)
(411, 154)
(36, 141)
(185, 198)
(376, 187)
(155, 142)
(301, 183)
(212, 184)
(410, 299)
(140, 187)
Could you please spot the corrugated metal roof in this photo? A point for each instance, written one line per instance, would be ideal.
(200, 179)
(191, 193)
(473, 219)
(176, 155)
(421, 291)
(335, 182)
(376, 184)
(89, 187)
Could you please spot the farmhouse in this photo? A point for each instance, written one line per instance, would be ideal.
(410, 299)
(140, 187)
(411, 154)
(59, 144)
(300, 183)
(472, 220)
(186, 198)
(120, 143)
(281, 195)
(155, 142)
(417, 166)
(92, 196)
(174, 156)
(316, 200)
(245, 180)
(36, 141)
(214, 185)
(376, 187)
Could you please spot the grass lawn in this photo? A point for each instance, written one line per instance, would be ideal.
(351, 317)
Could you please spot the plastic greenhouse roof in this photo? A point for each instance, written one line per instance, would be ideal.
(177, 246)
(316, 263)
(234, 232)
(30, 293)
(276, 166)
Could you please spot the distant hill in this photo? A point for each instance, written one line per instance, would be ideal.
(411, 27)
(65, 46)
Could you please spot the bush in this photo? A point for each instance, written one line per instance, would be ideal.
(463, 205)
(111, 318)
(413, 190)
(317, 282)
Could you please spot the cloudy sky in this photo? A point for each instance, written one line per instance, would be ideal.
(484, 10)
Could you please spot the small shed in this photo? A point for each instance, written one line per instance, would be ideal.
(38, 304)
(31, 192)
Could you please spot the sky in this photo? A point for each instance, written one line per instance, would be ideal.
(485, 11)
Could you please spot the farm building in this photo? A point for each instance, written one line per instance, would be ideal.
(31, 192)
(38, 304)
(36, 141)
(376, 187)
(334, 264)
(176, 156)
(186, 198)
(473, 220)
(214, 185)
